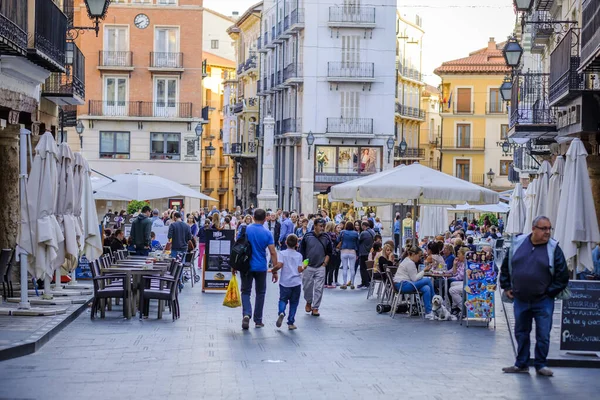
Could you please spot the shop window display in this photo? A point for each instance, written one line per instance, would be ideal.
(326, 160)
(347, 160)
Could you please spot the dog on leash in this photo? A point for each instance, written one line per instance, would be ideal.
(440, 312)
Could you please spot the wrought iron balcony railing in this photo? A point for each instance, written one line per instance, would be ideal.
(13, 27)
(297, 17)
(293, 70)
(530, 104)
(166, 60)
(117, 108)
(408, 72)
(350, 125)
(411, 152)
(290, 125)
(411, 112)
(69, 87)
(350, 70)
(463, 143)
(352, 14)
(543, 26)
(115, 58)
(46, 44)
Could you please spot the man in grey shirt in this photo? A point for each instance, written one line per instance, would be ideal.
(317, 248)
(180, 234)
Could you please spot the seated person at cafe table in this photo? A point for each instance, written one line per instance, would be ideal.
(448, 254)
(384, 260)
(407, 273)
(456, 281)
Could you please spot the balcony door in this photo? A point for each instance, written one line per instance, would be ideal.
(463, 136)
(495, 101)
(350, 111)
(165, 97)
(350, 55)
(166, 47)
(116, 43)
(115, 96)
(463, 169)
(463, 100)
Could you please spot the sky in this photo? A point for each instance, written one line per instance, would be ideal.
(453, 28)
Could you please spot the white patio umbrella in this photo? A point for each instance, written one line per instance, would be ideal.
(556, 180)
(530, 195)
(140, 185)
(40, 235)
(576, 222)
(434, 221)
(541, 192)
(516, 217)
(347, 191)
(91, 238)
(78, 197)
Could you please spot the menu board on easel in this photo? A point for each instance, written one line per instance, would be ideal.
(216, 273)
(580, 322)
(479, 286)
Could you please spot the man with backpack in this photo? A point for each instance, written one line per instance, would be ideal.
(259, 239)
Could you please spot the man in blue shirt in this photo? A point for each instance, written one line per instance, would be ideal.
(260, 239)
(287, 228)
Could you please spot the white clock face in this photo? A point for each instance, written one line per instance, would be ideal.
(141, 21)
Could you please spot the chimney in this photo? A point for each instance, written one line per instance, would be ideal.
(492, 44)
(235, 14)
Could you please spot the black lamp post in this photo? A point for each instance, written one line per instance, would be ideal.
(505, 147)
(390, 147)
(310, 140)
(79, 128)
(210, 150)
(198, 130)
(490, 174)
(512, 52)
(523, 5)
(403, 146)
(96, 11)
(506, 89)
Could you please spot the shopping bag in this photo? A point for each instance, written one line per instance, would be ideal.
(232, 296)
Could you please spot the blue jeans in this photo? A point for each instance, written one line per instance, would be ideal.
(175, 253)
(424, 286)
(260, 279)
(525, 313)
(141, 251)
(291, 295)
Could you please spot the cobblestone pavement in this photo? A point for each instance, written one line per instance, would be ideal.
(350, 352)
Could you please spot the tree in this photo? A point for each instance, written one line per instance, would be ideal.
(492, 218)
(135, 206)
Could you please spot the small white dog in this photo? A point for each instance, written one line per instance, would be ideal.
(440, 312)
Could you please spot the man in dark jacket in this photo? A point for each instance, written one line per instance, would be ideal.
(117, 241)
(180, 234)
(141, 230)
(317, 248)
(365, 244)
(273, 226)
(532, 276)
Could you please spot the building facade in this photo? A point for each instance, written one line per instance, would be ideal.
(431, 129)
(474, 118)
(217, 168)
(215, 38)
(144, 93)
(410, 114)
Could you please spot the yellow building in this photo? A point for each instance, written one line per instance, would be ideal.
(474, 117)
(217, 170)
(409, 112)
(431, 129)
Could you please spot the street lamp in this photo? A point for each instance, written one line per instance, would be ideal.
(210, 150)
(390, 146)
(490, 174)
(96, 11)
(523, 5)
(506, 89)
(512, 52)
(505, 148)
(79, 128)
(69, 52)
(403, 147)
(310, 140)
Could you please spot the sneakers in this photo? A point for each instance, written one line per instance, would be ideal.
(513, 369)
(308, 307)
(246, 322)
(429, 316)
(544, 371)
(291, 327)
(343, 287)
(280, 320)
(259, 325)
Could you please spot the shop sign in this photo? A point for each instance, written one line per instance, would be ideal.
(568, 117)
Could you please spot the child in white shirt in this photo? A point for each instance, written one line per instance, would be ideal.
(290, 283)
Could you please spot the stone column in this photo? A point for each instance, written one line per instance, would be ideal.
(9, 195)
(267, 198)
(288, 176)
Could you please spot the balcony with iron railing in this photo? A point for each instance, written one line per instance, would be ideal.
(410, 112)
(293, 72)
(351, 16)
(166, 60)
(13, 27)
(297, 19)
(115, 60)
(409, 72)
(291, 125)
(46, 44)
(542, 27)
(410, 153)
(462, 144)
(345, 71)
(590, 36)
(144, 109)
(530, 104)
(356, 126)
(244, 149)
(67, 88)
(525, 162)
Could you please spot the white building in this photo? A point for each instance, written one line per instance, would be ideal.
(214, 34)
(326, 72)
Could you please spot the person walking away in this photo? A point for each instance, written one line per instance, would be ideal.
(290, 283)
(141, 228)
(179, 234)
(407, 279)
(316, 247)
(397, 225)
(334, 261)
(260, 240)
(500, 225)
(365, 244)
(533, 276)
(348, 245)
(287, 228)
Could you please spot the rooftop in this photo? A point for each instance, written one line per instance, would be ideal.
(486, 60)
(217, 61)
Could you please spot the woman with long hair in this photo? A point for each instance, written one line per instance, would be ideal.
(191, 221)
(334, 260)
(348, 244)
(216, 222)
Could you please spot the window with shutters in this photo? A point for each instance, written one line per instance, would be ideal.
(350, 50)
(495, 103)
(504, 132)
(463, 101)
(350, 105)
(463, 135)
(463, 169)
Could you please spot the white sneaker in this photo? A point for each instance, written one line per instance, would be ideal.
(429, 316)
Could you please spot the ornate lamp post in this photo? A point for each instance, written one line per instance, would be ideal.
(96, 10)
(512, 52)
(79, 128)
(310, 140)
(506, 89)
(490, 174)
(403, 146)
(523, 5)
(390, 147)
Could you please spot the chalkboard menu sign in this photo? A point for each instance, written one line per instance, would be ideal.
(216, 273)
(580, 323)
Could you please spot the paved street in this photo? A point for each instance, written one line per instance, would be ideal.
(350, 352)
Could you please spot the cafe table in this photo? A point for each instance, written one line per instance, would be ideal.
(443, 281)
(134, 275)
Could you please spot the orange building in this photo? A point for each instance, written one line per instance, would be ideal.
(143, 83)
